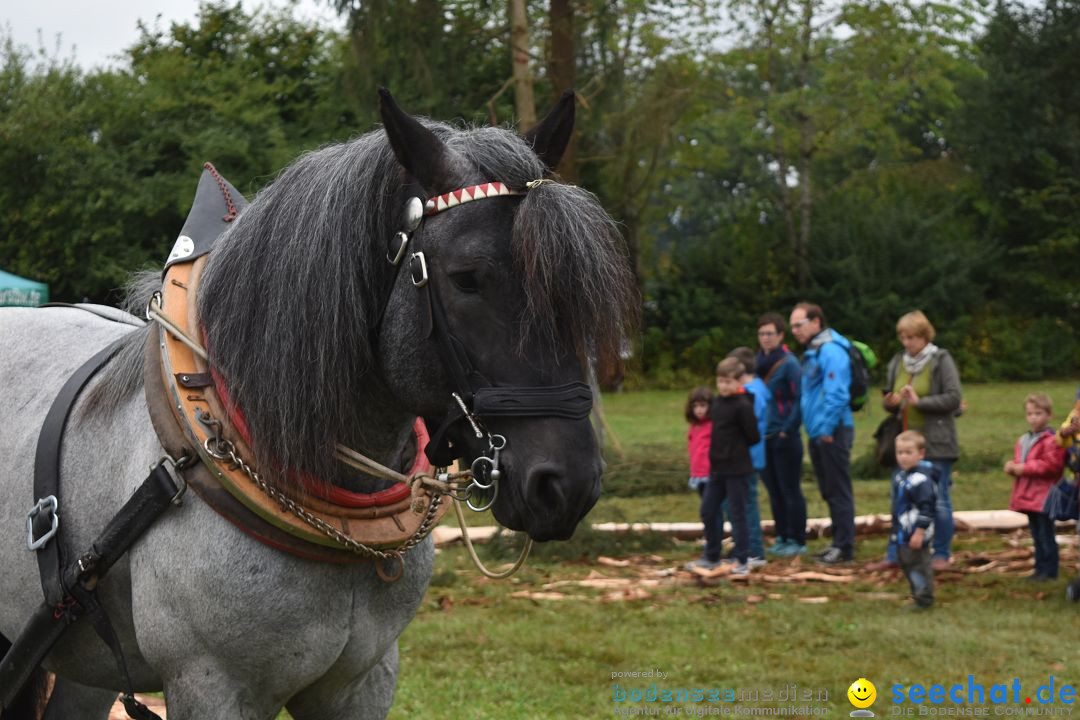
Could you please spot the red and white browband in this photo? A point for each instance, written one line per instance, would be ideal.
(467, 194)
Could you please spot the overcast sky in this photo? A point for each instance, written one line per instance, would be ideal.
(94, 32)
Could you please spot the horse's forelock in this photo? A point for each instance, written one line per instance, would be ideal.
(573, 260)
(576, 272)
(496, 154)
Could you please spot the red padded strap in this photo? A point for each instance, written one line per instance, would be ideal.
(323, 490)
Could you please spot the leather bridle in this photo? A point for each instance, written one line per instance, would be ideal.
(474, 397)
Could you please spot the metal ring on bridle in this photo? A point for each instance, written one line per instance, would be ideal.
(476, 473)
(481, 508)
(155, 299)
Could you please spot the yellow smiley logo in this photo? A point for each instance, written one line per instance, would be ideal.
(862, 693)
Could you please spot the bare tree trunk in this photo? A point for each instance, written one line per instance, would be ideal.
(806, 150)
(524, 103)
(802, 250)
(563, 71)
(768, 19)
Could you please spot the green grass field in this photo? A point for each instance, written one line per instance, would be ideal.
(513, 650)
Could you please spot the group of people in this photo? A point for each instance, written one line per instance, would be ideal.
(750, 428)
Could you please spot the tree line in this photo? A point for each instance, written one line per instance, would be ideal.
(871, 156)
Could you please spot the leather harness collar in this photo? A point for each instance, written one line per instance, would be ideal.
(382, 521)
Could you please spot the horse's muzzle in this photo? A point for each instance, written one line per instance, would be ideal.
(549, 502)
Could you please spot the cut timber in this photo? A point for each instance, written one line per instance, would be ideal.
(968, 520)
(806, 576)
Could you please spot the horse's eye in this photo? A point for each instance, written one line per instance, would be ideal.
(466, 281)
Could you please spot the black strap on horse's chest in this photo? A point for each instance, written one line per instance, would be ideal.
(69, 585)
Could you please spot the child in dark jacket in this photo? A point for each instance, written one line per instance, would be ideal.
(1038, 463)
(914, 497)
(734, 430)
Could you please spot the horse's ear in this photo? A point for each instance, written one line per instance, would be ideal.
(550, 136)
(423, 155)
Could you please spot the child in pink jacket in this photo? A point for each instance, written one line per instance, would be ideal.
(699, 436)
(1037, 464)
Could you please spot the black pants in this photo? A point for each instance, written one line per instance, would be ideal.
(733, 488)
(1046, 549)
(832, 466)
(919, 572)
(783, 470)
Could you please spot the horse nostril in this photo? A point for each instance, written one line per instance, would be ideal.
(544, 487)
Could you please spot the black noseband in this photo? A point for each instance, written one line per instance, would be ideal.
(572, 401)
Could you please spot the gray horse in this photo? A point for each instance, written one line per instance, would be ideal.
(322, 342)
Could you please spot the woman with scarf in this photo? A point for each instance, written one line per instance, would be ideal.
(779, 369)
(923, 387)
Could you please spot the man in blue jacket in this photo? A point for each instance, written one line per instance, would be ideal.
(825, 405)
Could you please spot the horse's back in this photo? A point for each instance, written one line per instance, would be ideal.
(39, 350)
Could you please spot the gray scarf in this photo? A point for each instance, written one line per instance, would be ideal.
(914, 364)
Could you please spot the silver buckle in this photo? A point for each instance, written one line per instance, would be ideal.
(178, 480)
(45, 504)
(422, 279)
(403, 244)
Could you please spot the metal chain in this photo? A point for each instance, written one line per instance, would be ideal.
(225, 450)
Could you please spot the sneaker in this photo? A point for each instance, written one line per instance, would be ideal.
(940, 563)
(756, 562)
(791, 549)
(1038, 577)
(702, 563)
(777, 548)
(881, 565)
(741, 569)
(833, 555)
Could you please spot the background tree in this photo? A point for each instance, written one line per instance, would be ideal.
(872, 156)
(99, 169)
(1020, 134)
(819, 84)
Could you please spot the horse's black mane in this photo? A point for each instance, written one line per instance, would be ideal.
(292, 293)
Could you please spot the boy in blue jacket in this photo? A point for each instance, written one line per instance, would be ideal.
(825, 405)
(914, 497)
(762, 399)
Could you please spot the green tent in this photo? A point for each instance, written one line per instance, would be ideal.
(15, 290)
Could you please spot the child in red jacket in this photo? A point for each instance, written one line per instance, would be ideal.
(698, 436)
(1037, 464)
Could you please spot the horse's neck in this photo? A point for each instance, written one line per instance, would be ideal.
(386, 437)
